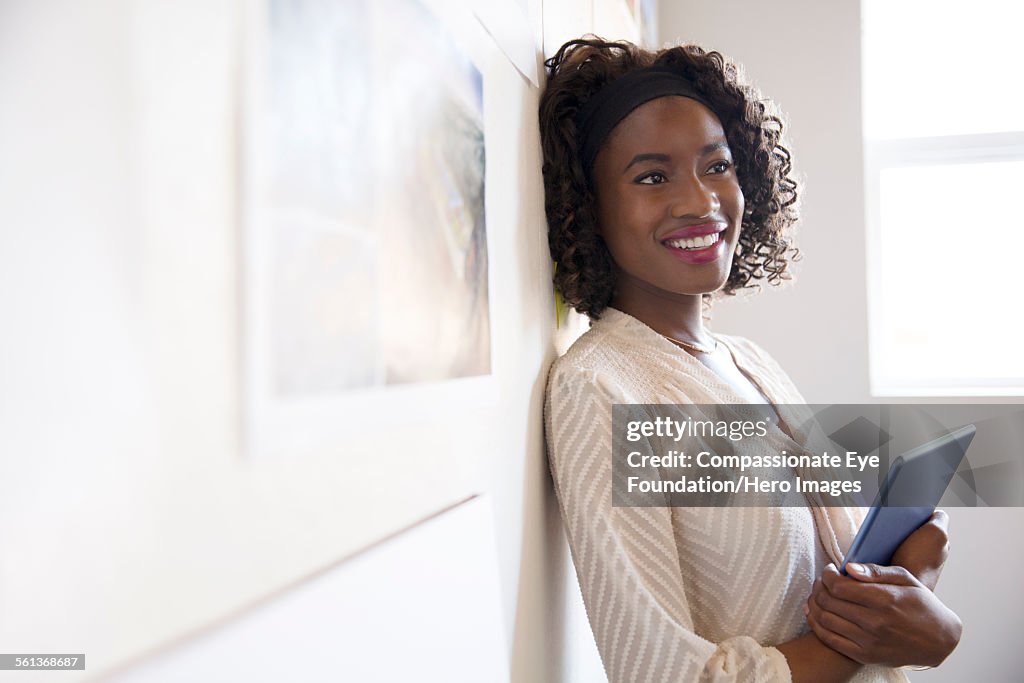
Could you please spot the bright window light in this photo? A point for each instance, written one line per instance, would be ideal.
(942, 68)
(944, 166)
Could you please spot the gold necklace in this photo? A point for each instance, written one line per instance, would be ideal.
(690, 345)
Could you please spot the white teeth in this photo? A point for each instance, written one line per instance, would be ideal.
(702, 242)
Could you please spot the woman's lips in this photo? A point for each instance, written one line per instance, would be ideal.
(697, 231)
(697, 256)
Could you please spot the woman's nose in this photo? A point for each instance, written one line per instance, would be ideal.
(694, 198)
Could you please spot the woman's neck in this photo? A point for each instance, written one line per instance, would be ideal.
(673, 315)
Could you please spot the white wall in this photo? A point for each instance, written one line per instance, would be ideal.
(127, 516)
(806, 55)
(366, 619)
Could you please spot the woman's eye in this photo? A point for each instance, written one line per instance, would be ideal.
(653, 178)
(720, 166)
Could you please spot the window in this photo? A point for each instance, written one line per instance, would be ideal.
(944, 164)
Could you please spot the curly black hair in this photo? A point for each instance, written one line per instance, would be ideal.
(584, 275)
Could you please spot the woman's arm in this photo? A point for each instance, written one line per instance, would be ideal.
(811, 661)
(925, 551)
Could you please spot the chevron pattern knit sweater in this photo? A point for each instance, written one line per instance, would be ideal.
(680, 594)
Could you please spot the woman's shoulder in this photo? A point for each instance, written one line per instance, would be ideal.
(585, 364)
(616, 346)
(604, 361)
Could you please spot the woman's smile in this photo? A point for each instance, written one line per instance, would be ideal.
(697, 244)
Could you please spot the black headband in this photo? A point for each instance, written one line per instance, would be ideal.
(602, 112)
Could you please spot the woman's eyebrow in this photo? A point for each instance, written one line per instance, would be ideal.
(656, 156)
(647, 156)
(714, 147)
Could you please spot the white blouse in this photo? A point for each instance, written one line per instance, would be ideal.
(674, 593)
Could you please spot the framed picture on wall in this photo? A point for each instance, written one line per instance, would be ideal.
(645, 14)
(364, 244)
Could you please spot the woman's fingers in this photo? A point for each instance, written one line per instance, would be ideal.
(833, 639)
(839, 617)
(855, 618)
(881, 574)
(828, 613)
(867, 585)
(881, 614)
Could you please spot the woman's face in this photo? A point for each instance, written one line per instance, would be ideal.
(669, 204)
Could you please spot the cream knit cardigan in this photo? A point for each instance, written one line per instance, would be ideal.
(680, 594)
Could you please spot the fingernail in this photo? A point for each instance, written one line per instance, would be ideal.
(856, 568)
(807, 610)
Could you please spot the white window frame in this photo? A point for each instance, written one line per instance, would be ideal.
(883, 154)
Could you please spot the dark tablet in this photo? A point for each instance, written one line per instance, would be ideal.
(915, 484)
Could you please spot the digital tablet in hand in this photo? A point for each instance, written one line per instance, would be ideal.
(915, 484)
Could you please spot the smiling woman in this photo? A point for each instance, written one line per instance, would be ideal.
(679, 202)
(667, 183)
(580, 116)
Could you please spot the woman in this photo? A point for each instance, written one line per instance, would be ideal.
(666, 182)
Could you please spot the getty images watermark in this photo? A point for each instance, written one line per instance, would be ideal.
(796, 455)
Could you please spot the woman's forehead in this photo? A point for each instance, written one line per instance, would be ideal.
(674, 121)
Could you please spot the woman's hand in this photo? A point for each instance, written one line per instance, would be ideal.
(924, 552)
(882, 615)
